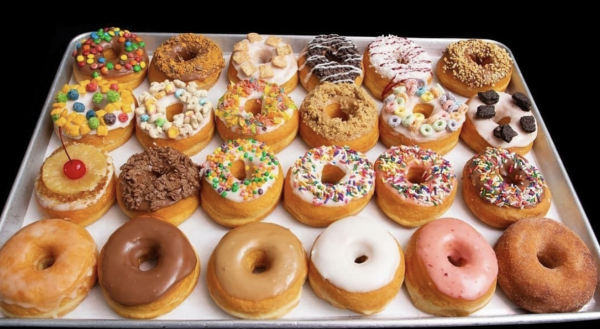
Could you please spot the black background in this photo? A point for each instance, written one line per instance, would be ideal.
(554, 68)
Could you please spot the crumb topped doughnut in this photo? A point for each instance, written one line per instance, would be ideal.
(160, 182)
(113, 54)
(99, 112)
(470, 66)
(187, 57)
(243, 180)
(268, 58)
(414, 185)
(260, 110)
(330, 58)
(328, 183)
(175, 114)
(502, 187)
(339, 114)
(545, 267)
(390, 60)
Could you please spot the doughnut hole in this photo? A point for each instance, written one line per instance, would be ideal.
(550, 257)
(263, 56)
(331, 174)
(257, 262)
(238, 170)
(361, 259)
(173, 110)
(503, 121)
(458, 254)
(425, 109)
(416, 174)
(109, 54)
(253, 106)
(334, 110)
(148, 260)
(184, 54)
(480, 60)
(44, 259)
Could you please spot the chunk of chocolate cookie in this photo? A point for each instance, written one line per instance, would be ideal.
(522, 101)
(485, 111)
(505, 132)
(488, 97)
(528, 123)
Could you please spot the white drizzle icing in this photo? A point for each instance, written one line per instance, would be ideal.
(348, 64)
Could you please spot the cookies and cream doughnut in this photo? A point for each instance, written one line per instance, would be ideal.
(268, 58)
(175, 114)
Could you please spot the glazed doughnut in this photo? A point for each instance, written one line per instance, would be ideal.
(175, 114)
(270, 59)
(470, 66)
(502, 187)
(330, 58)
(339, 114)
(187, 57)
(421, 115)
(242, 182)
(132, 289)
(243, 252)
(114, 54)
(499, 120)
(328, 183)
(451, 269)
(545, 267)
(391, 60)
(356, 264)
(79, 195)
(160, 182)
(255, 109)
(47, 268)
(98, 112)
(414, 185)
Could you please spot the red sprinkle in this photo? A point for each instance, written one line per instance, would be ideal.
(92, 86)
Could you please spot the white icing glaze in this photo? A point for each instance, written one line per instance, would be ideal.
(195, 115)
(397, 59)
(335, 251)
(505, 108)
(261, 54)
(60, 205)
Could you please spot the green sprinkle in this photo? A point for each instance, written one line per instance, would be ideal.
(235, 188)
(97, 98)
(224, 194)
(110, 66)
(113, 96)
(93, 122)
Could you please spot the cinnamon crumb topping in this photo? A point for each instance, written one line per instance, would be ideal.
(476, 62)
(359, 107)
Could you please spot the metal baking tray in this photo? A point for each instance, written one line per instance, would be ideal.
(198, 310)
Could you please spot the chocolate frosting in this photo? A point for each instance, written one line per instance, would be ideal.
(157, 178)
(140, 239)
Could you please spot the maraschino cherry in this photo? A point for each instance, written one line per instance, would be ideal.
(74, 168)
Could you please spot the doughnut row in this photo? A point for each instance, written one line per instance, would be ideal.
(353, 100)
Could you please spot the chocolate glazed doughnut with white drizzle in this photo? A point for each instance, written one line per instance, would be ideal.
(331, 58)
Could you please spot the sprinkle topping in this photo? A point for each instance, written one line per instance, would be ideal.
(506, 179)
(435, 184)
(276, 106)
(261, 167)
(307, 176)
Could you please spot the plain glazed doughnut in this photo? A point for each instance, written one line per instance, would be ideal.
(113, 54)
(187, 57)
(502, 187)
(545, 267)
(135, 291)
(267, 58)
(330, 58)
(391, 60)
(47, 269)
(339, 114)
(414, 185)
(260, 110)
(257, 271)
(499, 119)
(426, 116)
(470, 66)
(159, 182)
(451, 269)
(328, 183)
(81, 199)
(356, 264)
(99, 112)
(175, 114)
(242, 182)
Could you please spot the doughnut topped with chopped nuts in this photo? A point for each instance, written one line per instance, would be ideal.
(416, 114)
(470, 66)
(500, 119)
(175, 114)
(113, 54)
(99, 112)
(269, 58)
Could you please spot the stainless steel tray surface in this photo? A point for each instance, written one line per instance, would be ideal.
(199, 310)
